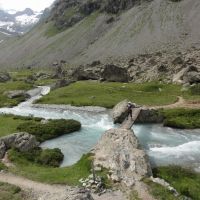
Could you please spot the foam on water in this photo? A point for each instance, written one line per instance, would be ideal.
(167, 146)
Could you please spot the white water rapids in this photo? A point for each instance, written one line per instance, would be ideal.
(164, 145)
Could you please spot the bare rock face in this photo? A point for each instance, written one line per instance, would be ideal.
(118, 150)
(120, 111)
(21, 141)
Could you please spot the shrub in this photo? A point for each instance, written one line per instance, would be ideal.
(52, 129)
(50, 157)
(46, 157)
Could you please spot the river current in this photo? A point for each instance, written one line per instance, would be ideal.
(164, 145)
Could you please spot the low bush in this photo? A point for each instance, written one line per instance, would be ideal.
(50, 157)
(46, 157)
(51, 129)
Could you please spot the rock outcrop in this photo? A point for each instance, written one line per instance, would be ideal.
(17, 94)
(21, 141)
(85, 73)
(118, 150)
(4, 77)
(149, 116)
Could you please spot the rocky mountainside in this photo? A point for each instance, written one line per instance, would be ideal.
(18, 22)
(81, 31)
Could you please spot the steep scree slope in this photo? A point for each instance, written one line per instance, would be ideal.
(82, 31)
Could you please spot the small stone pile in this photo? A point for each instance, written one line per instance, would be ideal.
(94, 184)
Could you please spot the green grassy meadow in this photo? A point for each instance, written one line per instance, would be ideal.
(107, 94)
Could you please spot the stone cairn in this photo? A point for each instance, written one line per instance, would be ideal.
(94, 183)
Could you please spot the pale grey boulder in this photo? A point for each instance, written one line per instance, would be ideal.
(118, 150)
(21, 141)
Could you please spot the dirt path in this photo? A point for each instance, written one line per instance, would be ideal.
(181, 103)
(41, 191)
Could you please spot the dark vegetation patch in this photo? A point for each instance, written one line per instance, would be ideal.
(182, 118)
(46, 157)
(51, 129)
(10, 192)
(185, 181)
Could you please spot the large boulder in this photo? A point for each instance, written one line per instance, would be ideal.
(21, 141)
(190, 74)
(86, 73)
(4, 77)
(149, 116)
(17, 94)
(120, 111)
(118, 150)
(192, 77)
(114, 73)
(61, 83)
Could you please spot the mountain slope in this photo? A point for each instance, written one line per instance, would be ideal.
(147, 26)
